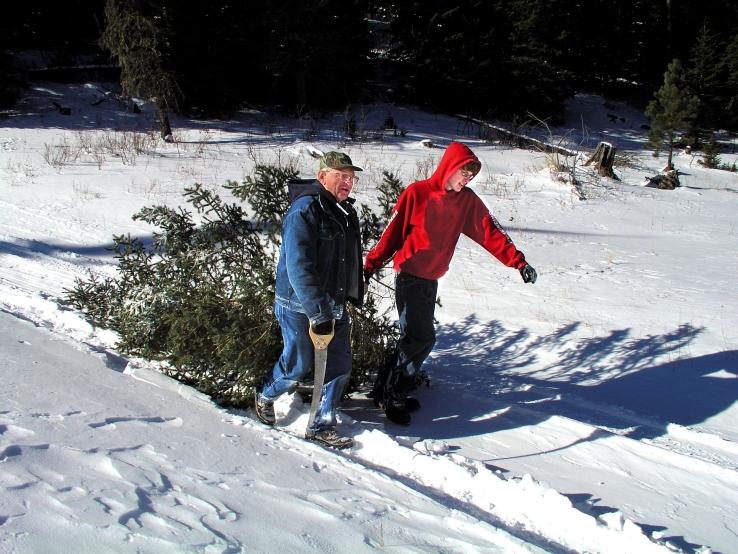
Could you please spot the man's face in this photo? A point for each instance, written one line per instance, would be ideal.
(339, 182)
(459, 179)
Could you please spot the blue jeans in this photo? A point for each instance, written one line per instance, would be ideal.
(297, 362)
(416, 303)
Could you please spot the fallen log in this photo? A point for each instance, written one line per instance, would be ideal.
(518, 140)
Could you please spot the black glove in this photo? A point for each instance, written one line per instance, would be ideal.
(323, 328)
(528, 274)
(367, 276)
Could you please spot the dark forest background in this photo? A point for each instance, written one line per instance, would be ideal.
(492, 59)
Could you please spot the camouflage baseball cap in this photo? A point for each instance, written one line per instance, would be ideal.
(337, 160)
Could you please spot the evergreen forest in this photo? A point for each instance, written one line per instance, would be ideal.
(501, 59)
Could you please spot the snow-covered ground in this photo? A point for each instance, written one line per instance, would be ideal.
(594, 411)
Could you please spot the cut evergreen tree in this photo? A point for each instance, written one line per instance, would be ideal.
(389, 191)
(199, 297)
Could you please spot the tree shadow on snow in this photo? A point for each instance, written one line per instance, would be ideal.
(487, 378)
(26, 248)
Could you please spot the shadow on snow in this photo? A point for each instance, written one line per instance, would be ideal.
(486, 378)
(484, 368)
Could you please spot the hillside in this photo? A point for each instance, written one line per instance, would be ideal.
(592, 412)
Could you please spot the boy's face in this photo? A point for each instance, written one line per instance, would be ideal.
(459, 179)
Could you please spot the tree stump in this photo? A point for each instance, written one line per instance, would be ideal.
(604, 157)
(668, 180)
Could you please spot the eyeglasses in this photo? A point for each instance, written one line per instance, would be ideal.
(346, 177)
(468, 175)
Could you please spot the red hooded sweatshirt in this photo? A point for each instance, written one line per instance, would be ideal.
(426, 223)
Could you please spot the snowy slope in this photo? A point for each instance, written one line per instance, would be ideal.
(592, 412)
(103, 461)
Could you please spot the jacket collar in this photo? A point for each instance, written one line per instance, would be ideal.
(298, 188)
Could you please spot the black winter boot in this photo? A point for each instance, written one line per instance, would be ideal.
(380, 384)
(396, 411)
(412, 404)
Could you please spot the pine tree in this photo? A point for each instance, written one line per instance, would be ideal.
(389, 191)
(134, 35)
(730, 113)
(672, 110)
(451, 55)
(539, 37)
(711, 153)
(11, 81)
(198, 298)
(705, 78)
(315, 53)
(628, 46)
(216, 52)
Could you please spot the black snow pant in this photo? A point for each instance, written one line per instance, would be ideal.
(416, 303)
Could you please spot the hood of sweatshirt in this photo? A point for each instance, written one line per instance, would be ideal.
(456, 155)
(303, 187)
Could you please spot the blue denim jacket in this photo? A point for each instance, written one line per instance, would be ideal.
(312, 269)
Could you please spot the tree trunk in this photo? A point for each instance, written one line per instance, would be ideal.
(164, 125)
(604, 157)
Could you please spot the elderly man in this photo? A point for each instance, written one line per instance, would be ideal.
(319, 270)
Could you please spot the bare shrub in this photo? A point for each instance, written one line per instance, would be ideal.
(424, 168)
(126, 145)
(59, 155)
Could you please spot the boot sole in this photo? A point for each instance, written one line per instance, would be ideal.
(339, 445)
